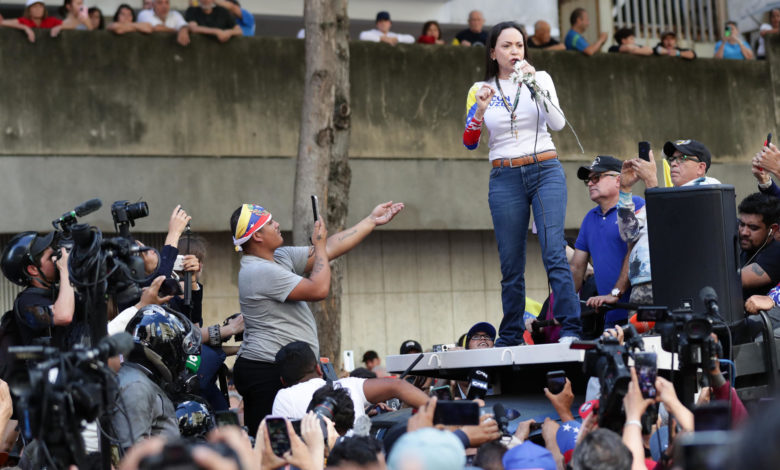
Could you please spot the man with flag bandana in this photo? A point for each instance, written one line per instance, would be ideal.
(273, 293)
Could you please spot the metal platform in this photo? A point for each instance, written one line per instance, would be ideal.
(450, 364)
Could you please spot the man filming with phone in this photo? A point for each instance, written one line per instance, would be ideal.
(275, 283)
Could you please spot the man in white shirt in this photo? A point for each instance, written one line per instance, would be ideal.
(382, 33)
(164, 20)
(302, 375)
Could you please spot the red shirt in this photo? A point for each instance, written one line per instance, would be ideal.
(47, 23)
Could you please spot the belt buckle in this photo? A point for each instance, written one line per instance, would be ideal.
(511, 162)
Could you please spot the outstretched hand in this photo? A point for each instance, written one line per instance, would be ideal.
(384, 213)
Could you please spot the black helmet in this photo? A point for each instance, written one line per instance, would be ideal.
(168, 338)
(194, 417)
(22, 251)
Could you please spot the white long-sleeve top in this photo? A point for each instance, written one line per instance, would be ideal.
(532, 135)
(375, 35)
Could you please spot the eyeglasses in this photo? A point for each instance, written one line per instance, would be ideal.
(481, 338)
(595, 178)
(682, 159)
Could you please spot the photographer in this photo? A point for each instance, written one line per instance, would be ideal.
(45, 308)
(156, 362)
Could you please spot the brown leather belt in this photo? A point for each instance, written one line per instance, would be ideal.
(520, 161)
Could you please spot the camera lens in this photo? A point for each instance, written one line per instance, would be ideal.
(137, 210)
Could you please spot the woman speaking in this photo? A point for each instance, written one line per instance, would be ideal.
(517, 104)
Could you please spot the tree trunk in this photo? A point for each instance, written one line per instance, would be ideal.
(323, 158)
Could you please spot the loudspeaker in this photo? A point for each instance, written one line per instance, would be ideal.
(694, 242)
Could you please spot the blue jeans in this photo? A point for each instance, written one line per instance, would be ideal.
(513, 192)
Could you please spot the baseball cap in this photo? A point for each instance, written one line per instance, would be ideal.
(383, 15)
(484, 327)
(528, 455)
(409, 346)
(690, 147)
(40, 244)
(33, 2)
(600, 164)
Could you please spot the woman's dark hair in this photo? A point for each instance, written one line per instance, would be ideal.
(119, 9)
(623, 33)
(427, 24)
(102, 24)
(491, 66)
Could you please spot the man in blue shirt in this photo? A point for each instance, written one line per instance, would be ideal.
(599, 237)
(575, 39)
(732, 46)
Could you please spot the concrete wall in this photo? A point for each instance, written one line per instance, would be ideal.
(76, 108)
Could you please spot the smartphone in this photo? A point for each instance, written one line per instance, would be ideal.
(646, 364)
(170, 286)
(768, 140)
(728, 31)
(713, 416)
(348, 360)
(178, 265)
(315, 207)
(644, 150)
(556, 380)
(277, 434)
(226, 418)
(442, 393)
(456, 413)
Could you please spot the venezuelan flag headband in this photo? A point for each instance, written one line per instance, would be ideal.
(252, 219)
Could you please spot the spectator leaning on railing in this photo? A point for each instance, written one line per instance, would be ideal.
(34, 16)
(165, 20)
(124, 22)
(76, 17)
(212, 20)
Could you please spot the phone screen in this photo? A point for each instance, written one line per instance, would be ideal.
(644, 151)
(456, 413)
(442, 393)
(646, 372)
(277, 434)
(713, 416)
(556, 380)
(315, 209)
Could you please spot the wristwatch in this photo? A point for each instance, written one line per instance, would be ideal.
(615, 292)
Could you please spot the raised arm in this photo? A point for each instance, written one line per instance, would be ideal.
(377, 390)
(317, 286)
(344, 241)
(593, 48)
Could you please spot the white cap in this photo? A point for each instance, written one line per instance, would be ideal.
(33, 2)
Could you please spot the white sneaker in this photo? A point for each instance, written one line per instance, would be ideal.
(567, 339)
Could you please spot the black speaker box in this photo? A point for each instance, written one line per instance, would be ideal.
(694, 242)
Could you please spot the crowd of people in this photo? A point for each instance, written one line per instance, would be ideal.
(170, 382)
(224, 19)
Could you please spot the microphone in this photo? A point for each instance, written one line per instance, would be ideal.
(81, 210)
(709, 298)
(120, 343)
(478, 384)
(499, 413)
(88, 207)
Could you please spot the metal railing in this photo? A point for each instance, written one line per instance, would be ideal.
(692, 20)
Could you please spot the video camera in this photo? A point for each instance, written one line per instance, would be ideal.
(606, 359)
(54, 391)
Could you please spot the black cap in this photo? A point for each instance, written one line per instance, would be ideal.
(691, 147)
(382, 15)
(409, 346)
(601, 164)
(40, 244)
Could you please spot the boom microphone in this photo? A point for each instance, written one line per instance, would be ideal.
(709, 298)
(120, 343)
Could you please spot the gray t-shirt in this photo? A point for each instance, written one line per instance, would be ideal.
(270, 320)
(149, 410)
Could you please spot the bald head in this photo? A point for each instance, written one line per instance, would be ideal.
(476, 21)
(542, 32)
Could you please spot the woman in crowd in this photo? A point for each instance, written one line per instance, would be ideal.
(525, 175)
(431, 33)
(34, 16)
(96, 18)
(124, 21)
(773, 27)
(76, 17)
